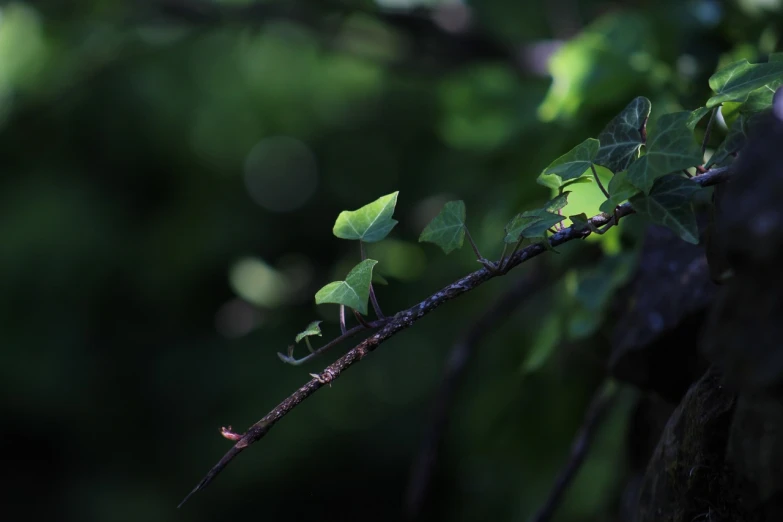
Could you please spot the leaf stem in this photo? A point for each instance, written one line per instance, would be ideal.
(708, 132)
(362, 320)
(334, 342)
(375, 305)
(472, 243)
(342, 319)
(503, 254)
(598, 180)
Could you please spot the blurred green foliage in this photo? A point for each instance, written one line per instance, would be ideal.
(171, 172)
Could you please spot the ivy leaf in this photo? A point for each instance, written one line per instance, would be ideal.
(622, 137)
(370, 223)
(758, 100)
(311, 330)
(620, 190)
(447, 229)
(672, 149)
(353, 292)
(580, 222)
(696, 117)
(669, 204)
(531, 224)
(733, 142)
(556, 203)
(736, 81)
(570, 165)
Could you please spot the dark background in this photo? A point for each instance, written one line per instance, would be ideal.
(169, 175)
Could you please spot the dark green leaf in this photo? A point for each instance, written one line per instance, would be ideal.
(671, 149)
(579, 221)
(620, 189)
(570, 165)
(531, 224)
(312, 329)
(736, 81)
(696, 117)
(622, 137)
(556, 203)
(447, 229)
(669, 204)
(370, 223)
(353, 292)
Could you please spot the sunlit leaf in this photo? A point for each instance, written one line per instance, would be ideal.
(622, 137)
(580, 221)
(620, 189)
(353, 292)
(370, 223)
(671, 149)
(570, 165)
(447, 229)
(557, 203)
(735, 82)
(669, 204)
(312, 329)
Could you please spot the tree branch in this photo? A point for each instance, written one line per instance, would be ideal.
(599, 405)
(406, 318)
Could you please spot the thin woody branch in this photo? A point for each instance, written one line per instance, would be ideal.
(406, 318)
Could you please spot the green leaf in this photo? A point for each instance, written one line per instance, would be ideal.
(570, 165)
(671, 149)
(669, 204)
(622, 137)
(733, 142)
(620, 190)
(353, 292)
(696, 117)
(370, 223)
(580, 221)
(312, 329)
(447, 229)
(531, 224)
(735, 82)
(556, 203)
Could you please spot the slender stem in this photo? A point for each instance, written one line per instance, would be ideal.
(309, 346)
(362, 320)
(708, 132)
(472, 243)
(331, 344)
(342, 319)
(362, 252)
(685, 171)
(502, 254)
(511, 255)
(598, 180)
(375, 305)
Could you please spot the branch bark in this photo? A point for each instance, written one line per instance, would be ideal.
(406, 318)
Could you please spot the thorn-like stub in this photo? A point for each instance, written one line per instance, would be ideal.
(325, 378)
(230, 434)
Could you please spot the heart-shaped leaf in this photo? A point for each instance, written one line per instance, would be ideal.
(530, 224)
(736, 81)
(669, 204)
(370, 223)
(353, 292)
(622, 137)
(312, 329)
(671, 149)
(570, 165)
(447, 229)
(620, 189)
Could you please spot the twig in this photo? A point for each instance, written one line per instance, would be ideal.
(406, 318)
(599, 405)
(598, 180)
(362, 320)
(331, 344)
(454, 369)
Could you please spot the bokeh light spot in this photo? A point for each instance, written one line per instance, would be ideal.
(280, 173)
